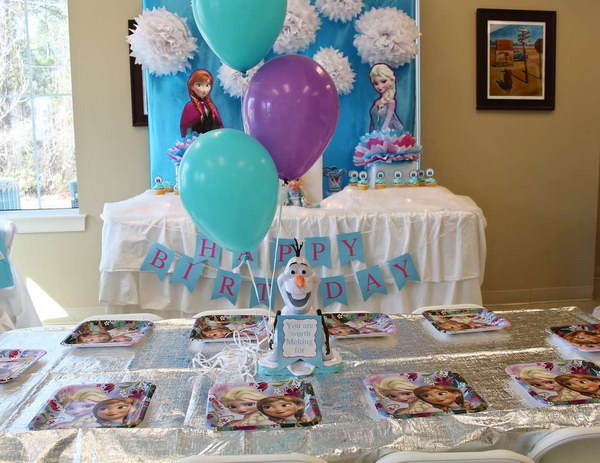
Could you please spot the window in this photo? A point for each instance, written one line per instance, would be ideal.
(37, 150)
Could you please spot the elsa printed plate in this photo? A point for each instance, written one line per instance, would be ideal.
(456, 321)
(359, 324)
(108, 333)
(559, 383)
(112, 405)
(409, 395)
(221, 327)
(14, 361)
(582, 337)
(260, 405)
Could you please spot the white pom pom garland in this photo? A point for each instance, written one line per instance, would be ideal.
(338, 67)
(299, 28)
(386, 35)
(161, 42)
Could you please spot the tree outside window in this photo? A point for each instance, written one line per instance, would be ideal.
(37, 151)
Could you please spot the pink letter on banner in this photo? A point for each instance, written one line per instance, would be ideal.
(333, 289)
(370, 281)
(318, 251)
(158, 260)
(227, 285)
(350, 247)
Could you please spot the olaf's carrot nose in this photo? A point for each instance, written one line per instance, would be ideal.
(299, 281)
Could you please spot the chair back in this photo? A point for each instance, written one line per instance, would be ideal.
(8, 230)
(580, 445)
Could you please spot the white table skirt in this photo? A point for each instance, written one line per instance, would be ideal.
(444, 233)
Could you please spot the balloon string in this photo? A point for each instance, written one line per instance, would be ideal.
(279, 214)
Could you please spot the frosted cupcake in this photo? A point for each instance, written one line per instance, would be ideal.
(363, 183)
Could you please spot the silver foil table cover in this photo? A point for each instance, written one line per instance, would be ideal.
(174, 426)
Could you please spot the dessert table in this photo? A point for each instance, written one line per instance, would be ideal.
(443, 232)
(350, 430)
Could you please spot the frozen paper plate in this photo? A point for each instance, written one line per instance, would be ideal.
(558, 383)
(14, 361)
(413, 394)
(359, 324)
(222, 326)
(108, 333)
(261, 405)
(110, 405)
(583, 337)
(457, 321)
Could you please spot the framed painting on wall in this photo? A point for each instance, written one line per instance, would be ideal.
(139, 108)
(516, 58)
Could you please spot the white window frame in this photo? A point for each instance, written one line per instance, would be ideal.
(45, 220)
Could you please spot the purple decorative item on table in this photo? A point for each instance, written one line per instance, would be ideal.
(568, 382)
(14, 361)
(408, 395)
(112, 405)
(261, 405)
(291, 107)
(455, 321)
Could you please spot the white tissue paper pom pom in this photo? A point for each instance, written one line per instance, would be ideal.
(161, 42)
(338, 67)
(386, 35)
(233, 82)
(299, 28)
(339, 10)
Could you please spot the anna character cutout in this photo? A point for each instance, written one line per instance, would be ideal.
(200, 114)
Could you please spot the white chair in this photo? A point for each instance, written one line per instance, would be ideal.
(126, 316)
(489, 456)
(291, 458)
(446, 307)
(579, 445)
(15, 302)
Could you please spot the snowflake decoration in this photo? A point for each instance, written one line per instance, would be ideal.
(339, 10)
(299, 28)
(386, 35)
(338, 67)
(161, 42)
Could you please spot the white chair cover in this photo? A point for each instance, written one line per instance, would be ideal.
(16, 307)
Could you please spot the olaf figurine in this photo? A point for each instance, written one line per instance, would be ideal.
(298, 285)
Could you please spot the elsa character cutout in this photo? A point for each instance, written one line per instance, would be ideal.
(80, 405)
(242, 401)
(200, 114)
(401, 390)
(540, 378)
(383, 110)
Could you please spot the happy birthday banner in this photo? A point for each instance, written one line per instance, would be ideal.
(317, 250)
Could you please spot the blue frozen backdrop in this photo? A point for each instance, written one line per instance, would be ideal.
(167, 95)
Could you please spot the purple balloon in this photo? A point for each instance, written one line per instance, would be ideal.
(291, 107)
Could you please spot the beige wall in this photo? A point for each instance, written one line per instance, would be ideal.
(538, 186)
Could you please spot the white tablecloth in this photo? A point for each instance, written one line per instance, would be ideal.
(444, 233)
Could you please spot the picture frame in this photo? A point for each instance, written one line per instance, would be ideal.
(139, 109)
(516, 59)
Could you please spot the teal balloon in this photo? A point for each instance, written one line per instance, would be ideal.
(240, 32)
(229, 187)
